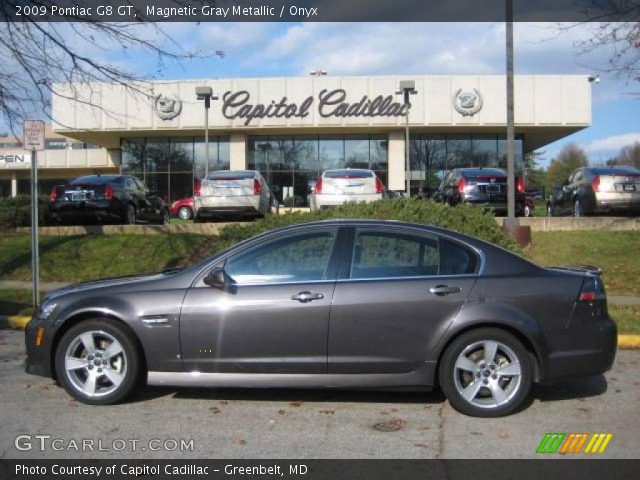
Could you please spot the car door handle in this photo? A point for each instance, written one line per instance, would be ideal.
(442, 290)
(304, 297)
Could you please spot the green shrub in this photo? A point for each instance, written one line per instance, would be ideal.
(16, 211)
(472, 221)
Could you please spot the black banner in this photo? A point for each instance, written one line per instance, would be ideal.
(322, 469)
(317, 10)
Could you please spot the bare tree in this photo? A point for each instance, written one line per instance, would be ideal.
(615, 28)
(38, 55)
(629, 155)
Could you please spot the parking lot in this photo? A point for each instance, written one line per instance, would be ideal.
(234, 423)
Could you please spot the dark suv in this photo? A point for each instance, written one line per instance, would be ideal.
(592, 190)
(484, 187)
(119, 198)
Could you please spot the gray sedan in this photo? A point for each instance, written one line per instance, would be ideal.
(344, 304)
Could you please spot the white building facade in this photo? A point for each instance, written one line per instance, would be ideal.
(291, 129)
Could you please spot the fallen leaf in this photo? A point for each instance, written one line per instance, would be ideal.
(327, 412)
(296, 403)
(239, 441)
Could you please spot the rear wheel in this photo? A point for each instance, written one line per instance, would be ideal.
(486, 373)
(166, 217)
(97, 362)
(130, 215)
(578, 209)
(527, 211)
(185, 213)
(550, 211)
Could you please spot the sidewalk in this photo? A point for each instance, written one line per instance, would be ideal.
(46, 286)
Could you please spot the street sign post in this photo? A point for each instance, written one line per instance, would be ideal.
(33, 140)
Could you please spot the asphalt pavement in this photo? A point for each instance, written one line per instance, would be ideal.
(237, 423)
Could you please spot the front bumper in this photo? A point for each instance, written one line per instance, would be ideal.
(38, 357)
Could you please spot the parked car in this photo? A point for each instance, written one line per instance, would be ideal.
(592, 190)
(483, 187)
(529, 206)
(339, 303)
(335, 187)
(233, 193)
(119, 198)
(183, 209)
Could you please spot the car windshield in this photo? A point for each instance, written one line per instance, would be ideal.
(614, 170)
(98, 179)
(348, 174)
(230, 175)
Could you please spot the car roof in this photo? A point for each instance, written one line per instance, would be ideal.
(481, 170)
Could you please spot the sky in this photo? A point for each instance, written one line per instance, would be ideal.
(293, 49)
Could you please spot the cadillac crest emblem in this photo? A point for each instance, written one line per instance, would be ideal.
(467, 104)
(167, 107)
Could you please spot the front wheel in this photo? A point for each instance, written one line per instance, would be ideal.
(578, 209)
(486, 373)
(130, 215)
(97, 362)
(527, 211)
(185, 213)
(165, 218)
(550, 211)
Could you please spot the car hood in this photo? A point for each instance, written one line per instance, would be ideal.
(108, 282)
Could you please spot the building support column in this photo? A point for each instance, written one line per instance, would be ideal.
(397, 176)
(14, 184)
(238, 152)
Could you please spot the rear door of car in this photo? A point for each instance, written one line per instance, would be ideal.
(397, 292)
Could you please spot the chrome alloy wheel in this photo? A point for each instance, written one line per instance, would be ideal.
(95, 363)
(487, 374)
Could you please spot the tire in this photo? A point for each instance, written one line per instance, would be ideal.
(185, 213)
(578, 208)
(527, 211)
(130, 215)
(95, 378)
(463, 371)
(166, 217)
(550, 211)
(197, 219)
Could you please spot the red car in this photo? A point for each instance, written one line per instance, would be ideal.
(183, 209)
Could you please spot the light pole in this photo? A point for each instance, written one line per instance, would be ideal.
(511, 167)
(206, 94)
(407, 88)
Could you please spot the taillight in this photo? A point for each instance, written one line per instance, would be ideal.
(519, 184)
(257, 188)
(108, 192)
(592, 290)
(461, 185)
(595, 183)
(379, 185)
(54, 194)
(197, 188)
(319, 185)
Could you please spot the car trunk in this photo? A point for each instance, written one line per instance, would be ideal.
(349, 185)
(620, 183)
(81, 192)
(488, 184)
(227, 186)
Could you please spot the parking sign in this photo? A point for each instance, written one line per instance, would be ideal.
(33, 135)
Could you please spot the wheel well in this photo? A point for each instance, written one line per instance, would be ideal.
(99, 316)
(513, 331)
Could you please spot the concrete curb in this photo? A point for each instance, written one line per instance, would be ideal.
(19, 322)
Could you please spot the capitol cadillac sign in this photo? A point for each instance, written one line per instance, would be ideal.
(330, 103)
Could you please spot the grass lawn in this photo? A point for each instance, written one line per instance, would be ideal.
(627, 318)
(16, 302)
(74, 259)
(616, 253)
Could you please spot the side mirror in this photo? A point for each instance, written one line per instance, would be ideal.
(218, 278)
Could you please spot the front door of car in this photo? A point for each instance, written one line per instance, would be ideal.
(400, 293)
(274, 315)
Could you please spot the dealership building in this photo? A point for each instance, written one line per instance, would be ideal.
(292, 129)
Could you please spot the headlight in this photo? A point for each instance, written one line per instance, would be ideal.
(46, 310)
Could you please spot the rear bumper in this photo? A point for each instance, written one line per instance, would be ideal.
(89, 208)
(579, 352)
(617, 201)
(319, 201)
(241, 204)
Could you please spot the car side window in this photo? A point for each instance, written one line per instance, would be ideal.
(393, 254)
(297, 258)
(131, 185)
(456, 259)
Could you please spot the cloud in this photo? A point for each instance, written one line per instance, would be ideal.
(612, 144)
